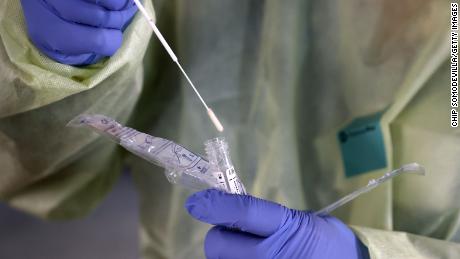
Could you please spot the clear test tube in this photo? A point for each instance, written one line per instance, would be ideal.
(221, 166)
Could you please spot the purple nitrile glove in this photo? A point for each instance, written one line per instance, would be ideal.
(77, 32)
(115, 5)
(269, 230)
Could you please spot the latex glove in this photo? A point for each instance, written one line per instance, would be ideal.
(269, 230)
(77, 32)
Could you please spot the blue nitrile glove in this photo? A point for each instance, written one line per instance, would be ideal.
(269, 230)
(77, 32)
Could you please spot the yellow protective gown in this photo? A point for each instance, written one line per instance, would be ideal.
(284, 77)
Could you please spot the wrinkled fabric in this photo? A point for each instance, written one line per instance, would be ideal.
(48, 169)
(283, 77)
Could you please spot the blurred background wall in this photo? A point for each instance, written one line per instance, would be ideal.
(111, 231)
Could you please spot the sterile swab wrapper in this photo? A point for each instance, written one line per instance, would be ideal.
(414, 168)
(182, 166)
(173, 56)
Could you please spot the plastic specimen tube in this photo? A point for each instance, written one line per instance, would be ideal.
(414, 168)
(222, 166)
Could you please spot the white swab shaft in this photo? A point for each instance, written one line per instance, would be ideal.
(155, 30)
(173, 56)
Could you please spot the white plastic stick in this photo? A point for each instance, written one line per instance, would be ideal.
(155, 30)
(192, 85)
(408, 168)
(173, 56)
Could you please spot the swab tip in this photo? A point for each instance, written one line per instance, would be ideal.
(215, 120)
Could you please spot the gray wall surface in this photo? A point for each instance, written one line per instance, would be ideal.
(111, 231)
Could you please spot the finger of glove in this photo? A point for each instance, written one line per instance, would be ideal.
(90, 14)
(114, 5)
(80, 39)
(221, 243)
(247, 213)
(74, 60)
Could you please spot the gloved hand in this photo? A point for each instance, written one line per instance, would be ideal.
(77, 32)
(269, 230)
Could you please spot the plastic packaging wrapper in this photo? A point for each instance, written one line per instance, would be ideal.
(182, 166)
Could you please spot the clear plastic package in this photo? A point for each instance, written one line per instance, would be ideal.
(182, 166)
